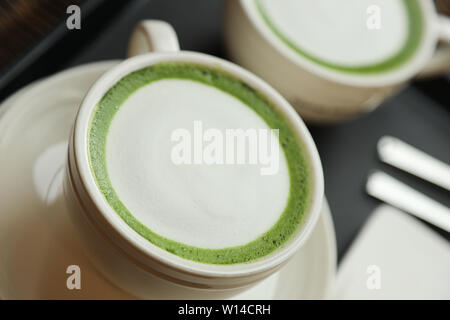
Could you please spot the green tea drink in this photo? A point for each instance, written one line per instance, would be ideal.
(157, 147)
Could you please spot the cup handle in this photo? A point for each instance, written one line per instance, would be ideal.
(440, 62)
(152, 36)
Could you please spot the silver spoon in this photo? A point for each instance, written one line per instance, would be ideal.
(405, 157)
(388, 189)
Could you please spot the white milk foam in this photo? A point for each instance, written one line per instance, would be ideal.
(215, 206)
(336, 31)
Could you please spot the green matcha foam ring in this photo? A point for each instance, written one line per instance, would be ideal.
(119, 237)
(335, 60)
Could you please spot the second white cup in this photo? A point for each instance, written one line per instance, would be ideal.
(319, 91)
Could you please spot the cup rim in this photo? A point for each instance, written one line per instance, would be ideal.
(145, 247)
(406, 71)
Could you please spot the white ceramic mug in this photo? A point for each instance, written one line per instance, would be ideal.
(122, 255)
(318, 93)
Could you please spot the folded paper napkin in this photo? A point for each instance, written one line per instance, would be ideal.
(396, 256)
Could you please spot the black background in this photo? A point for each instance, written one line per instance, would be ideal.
(420, 114)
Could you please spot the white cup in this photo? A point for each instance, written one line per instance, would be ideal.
(322, 94)
(122, 255)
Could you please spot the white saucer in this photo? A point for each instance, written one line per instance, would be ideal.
(37, 242)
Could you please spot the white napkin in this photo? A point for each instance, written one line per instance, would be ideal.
(395, 256)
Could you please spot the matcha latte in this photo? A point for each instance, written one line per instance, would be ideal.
(208, 213)
(352, 36)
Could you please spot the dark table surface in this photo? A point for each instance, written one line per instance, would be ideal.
(420, 114)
